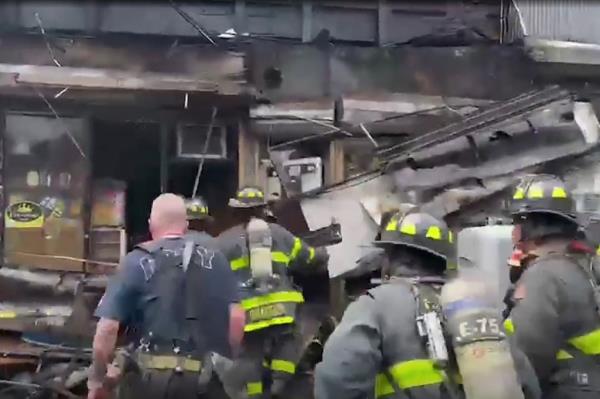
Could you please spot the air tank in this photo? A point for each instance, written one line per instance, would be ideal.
(479, 342)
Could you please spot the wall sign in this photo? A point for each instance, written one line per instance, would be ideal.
(24, 214)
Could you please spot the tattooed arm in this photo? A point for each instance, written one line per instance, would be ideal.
(117, 307)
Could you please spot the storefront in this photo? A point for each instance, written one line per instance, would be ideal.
(79, 177)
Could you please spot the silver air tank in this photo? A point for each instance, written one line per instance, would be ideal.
(260, 243)
(482, 352)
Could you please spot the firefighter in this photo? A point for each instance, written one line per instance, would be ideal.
(198, 217)
(262, 255)
(377, 348)
(555, 317)
(182, 297)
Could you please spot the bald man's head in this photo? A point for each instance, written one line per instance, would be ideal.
(168, 216)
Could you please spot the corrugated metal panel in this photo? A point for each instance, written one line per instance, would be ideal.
(565, 20)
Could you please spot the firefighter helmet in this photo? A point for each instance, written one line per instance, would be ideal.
(420, 231)
(543, 194)
(248, 197)
(196, 209)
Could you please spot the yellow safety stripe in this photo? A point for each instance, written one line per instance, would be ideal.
(560, 355)
(239, 263)
(268, 323)
(296, 249)
(434, 233)
(559, 192)
(589, 343)
(408, 228)
(274, 297)
(409, 374)
(311, 254)
(519, 194)
(244, 261)
(416, 373)
(563, 355)
(280, 257)
(254, 388)
(7, 314)
(392, 225)
(155, 362)
(383, 386)
(535, 192)
(509, 326)
(281, 366)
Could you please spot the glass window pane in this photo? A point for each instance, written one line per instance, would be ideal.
(46, 181)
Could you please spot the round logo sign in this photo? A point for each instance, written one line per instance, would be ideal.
(24, 212)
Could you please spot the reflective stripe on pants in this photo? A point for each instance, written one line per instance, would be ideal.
(254, 388)
(281, 366)
(409, 374)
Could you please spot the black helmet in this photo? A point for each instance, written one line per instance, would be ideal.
(248, 197)
(196, 209)
(420, 231)
(543, 194)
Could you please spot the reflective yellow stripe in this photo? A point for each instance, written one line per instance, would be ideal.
(509, 326)
(7, 314)
(535, 192)
(408, 228)
(281, 366)
(239, 263)
(589, 343)
(311, 254)
(275, 297)
(280, 257)
(409, 374)
(254, 388)
(510, 329)
(296, 249)
(392, 225)
(559, 192)
(563, 355)
(416, 373)
(450, 236)
(519, 194)
(244, 261)
(383, 386)
(268, 323)
(434, 233)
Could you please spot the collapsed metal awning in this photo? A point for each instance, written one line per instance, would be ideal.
(95, 78)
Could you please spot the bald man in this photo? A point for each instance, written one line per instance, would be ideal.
(181, 297)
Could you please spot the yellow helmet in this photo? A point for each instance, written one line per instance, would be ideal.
(248, 197)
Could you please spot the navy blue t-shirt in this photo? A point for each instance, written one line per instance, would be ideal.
(127, 291)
